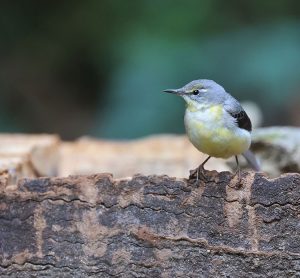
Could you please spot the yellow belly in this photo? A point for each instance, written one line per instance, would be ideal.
(208, 133)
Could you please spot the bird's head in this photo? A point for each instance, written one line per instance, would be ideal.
(199, 92)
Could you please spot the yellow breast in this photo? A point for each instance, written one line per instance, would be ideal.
(213, 131)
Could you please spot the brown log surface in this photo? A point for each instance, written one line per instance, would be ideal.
(150, 226)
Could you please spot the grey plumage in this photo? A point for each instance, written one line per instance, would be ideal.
(216, 94)
(252, 160)
(201, 96)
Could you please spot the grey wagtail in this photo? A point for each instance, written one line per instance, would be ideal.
(216, 123)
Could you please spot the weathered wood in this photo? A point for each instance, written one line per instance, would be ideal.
(171, 155)
(24, 155)
(150, 226)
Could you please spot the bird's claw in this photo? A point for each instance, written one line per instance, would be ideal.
(200, 174)
(239, 183)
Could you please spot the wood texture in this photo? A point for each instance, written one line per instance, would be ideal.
(151, 226)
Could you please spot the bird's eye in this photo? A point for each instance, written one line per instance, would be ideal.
(195, 92)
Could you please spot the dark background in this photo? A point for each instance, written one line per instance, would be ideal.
(98, 67)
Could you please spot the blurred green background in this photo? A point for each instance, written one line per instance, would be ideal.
(98, 67)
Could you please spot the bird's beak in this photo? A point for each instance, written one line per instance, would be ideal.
(174, 91)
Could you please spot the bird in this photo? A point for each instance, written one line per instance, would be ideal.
(216, 123)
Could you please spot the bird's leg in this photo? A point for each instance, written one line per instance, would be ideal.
(237, 172)
(200, 169)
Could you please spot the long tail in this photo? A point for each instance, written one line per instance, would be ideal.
(252, 160)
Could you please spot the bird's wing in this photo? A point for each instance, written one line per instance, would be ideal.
(242, 120)
(234, 108)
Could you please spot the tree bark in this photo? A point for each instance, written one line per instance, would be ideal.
(151, 226)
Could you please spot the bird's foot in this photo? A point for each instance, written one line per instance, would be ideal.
(193, 174)
(201, 174)
(238, 184)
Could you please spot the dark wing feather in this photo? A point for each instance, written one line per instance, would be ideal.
(234, 108)
(242, 119)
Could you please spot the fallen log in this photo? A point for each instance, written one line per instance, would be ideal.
(150, 226)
